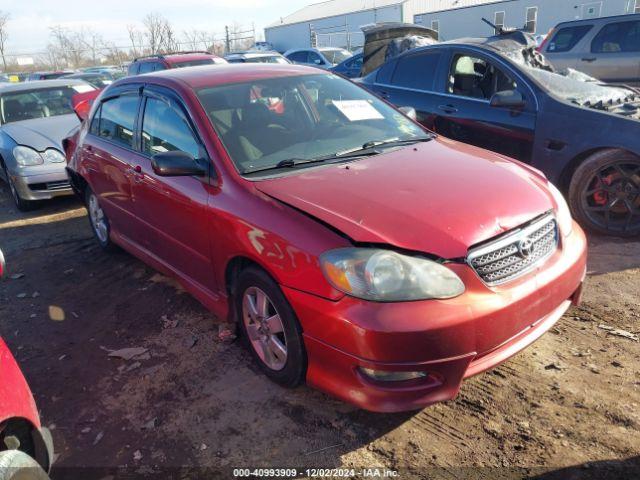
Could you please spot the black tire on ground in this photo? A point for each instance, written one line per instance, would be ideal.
(584, 180)
(105, 243)
(17, 465)
(22, 204)
(294, 371)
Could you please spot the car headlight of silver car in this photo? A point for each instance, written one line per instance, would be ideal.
(26, 156)
(563, 214)
(52, 155)
(387, 276)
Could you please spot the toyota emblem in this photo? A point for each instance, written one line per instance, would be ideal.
(526, 247)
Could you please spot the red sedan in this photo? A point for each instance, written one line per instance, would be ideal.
(26, 448)
(356, 250)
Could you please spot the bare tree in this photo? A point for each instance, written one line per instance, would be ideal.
(193, 39)
(136, 37)
(155, 31)
(4, 35)
(69, 45)
(169, 40)
(93, 42)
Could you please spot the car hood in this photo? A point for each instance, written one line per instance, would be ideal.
(41, 133)
(440, 197)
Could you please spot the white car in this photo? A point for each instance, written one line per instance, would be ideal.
(324, 57)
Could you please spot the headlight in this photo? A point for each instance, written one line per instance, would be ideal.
(563, 214)
(52, 155)
(27, 157)
(387, 276)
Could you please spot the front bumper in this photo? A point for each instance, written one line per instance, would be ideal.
(42, 186)
(450, 340)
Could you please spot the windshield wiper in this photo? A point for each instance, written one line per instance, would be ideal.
(301, 162)
(396, 142)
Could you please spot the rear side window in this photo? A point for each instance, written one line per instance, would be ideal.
(166, 130)
(417, 71)
(147, 67)
(568, 37)
(299, 57)
(117, 119)
(617, 37)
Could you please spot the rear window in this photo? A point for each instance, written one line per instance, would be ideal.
(194, 63)
(617, 37)
(417, 71)
(568, 37)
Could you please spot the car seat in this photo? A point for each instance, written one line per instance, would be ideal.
(465, 79)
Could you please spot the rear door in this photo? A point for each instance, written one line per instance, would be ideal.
(107, 151)
(410, 81)
(464, 111)
(615, 53)
(172, 210)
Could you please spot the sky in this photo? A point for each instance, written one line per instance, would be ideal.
(30, 20)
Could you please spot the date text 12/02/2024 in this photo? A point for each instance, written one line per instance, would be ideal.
(314, 473)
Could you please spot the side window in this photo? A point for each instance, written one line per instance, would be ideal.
(477, 78)
(386, 71)
(94, 129)
(417, 71)
(117, 119)
(164, 130)
(146, 67)
(355, 64)
(567, 38)
(315, 59)
(617, 37)
(298, 57)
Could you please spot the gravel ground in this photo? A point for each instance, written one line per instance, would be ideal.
(567, 407)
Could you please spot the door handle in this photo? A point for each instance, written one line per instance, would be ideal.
(589, 60)
(448, 108)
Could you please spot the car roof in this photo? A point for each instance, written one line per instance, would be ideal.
(253, 54)
(25, 86)
(222, 74)
(613, 18)
(176, 57)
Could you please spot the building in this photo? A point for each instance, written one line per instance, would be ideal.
(337, 23)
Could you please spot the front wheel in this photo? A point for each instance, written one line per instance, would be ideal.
(270, 328)
(17, 465)
(604, 194)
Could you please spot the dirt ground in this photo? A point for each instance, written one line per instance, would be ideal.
(567, 407)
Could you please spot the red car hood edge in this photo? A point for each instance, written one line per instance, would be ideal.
(441, 197)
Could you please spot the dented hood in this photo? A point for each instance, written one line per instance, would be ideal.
(440, 197)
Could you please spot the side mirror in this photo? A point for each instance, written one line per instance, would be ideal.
(508, 99)
(409, 112)
(177, 164)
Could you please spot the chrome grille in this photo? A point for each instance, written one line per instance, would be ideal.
(516, 253)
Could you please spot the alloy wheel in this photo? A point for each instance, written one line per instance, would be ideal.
(98, 220)
(264, 328)
(611, 199)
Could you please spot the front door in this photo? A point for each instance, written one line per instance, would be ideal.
(465, 113)
(173, 210)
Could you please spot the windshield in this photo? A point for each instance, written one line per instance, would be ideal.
(265, 122)
(39, 103)
(336, 56)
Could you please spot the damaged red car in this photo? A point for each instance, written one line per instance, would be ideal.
(356, 250)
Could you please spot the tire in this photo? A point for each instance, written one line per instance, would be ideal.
(604, 193)
(99, 221)
(22, 204)
(289, 369)
(17, 465)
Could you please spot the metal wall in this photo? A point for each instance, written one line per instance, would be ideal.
(466, 22)
(339, 31)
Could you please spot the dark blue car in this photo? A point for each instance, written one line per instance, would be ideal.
(502, 95)
(350, 67)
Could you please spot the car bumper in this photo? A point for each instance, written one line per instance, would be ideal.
(42, 186)
(448, 340)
